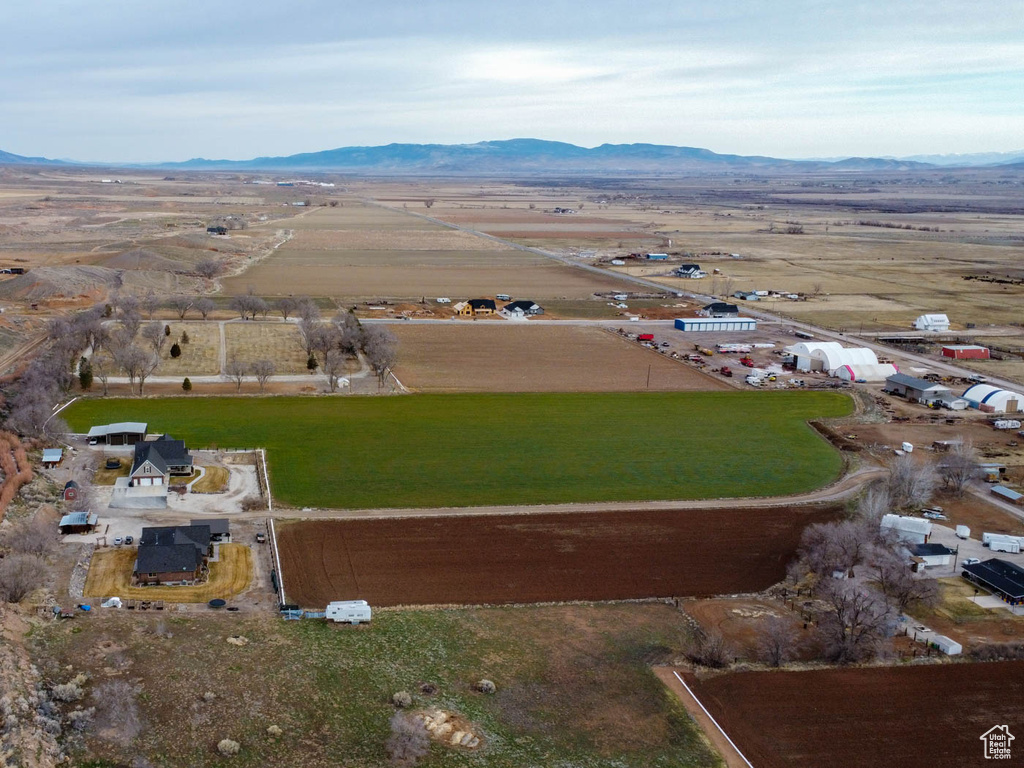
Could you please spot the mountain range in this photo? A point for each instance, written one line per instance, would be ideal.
(539, 156)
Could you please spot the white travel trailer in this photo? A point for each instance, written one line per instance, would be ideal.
(348, 611)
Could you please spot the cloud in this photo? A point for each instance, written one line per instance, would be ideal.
(161, 80)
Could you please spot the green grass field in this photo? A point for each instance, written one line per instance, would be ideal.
(482, 449)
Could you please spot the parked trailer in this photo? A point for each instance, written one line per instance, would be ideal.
(1008, 544)
(348, 611)
(987, 538)
(963, 532)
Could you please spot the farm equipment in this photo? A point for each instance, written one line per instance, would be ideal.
(695, 358)
(726, 371)
(747, 362)
(645, 337)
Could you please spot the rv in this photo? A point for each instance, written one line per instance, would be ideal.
(348, 611)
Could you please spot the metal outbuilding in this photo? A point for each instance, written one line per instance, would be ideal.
(991, 399)
(121, 433)
(78, 522)
(52, 457)
(965, 352)
(917, 390)
(716, 324)
(913, 530)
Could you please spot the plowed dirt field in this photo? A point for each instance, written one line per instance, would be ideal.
(540, 558)
(914, 717)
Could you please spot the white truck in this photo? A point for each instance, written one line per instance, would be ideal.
(348, 611)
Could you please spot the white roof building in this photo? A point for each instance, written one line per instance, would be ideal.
(1001, 400)
(938, 323)
(879, 372)
(831, 356)
(914, 530)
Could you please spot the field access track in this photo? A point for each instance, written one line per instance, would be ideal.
(541, 557)
(928, 716)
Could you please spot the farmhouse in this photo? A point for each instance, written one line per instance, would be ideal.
(719, 309)
(156, 461)
(1002, 577)
(931, 555)
(716, 324)
(172, 555)
(521, 309)
(483, 306)
(462, 309)
(990, 399)
(965, 352)
(934, 323)
(917, 390)
(690, 271)
(912, 530)
(122, 433)
(78, 522)
(52, 457)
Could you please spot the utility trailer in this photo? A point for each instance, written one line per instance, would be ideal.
(348, 611)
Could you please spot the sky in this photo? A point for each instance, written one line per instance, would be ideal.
(150, 80)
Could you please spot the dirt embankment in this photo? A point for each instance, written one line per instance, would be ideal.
(16, 469)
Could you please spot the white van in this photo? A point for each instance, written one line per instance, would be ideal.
(348, 611)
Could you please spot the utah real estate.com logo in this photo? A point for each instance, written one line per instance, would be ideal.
(997, 742)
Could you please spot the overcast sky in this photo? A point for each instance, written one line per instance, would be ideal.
(149, 80)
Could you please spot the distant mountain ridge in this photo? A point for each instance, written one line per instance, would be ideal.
(531, 155)
(541, 156)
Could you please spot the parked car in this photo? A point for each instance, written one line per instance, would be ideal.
(118, 541)
(971, 561)
(934, 515)
(261, 538)
(129, 540)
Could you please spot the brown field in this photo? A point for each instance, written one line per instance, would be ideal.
(520, 357)
(359, 252)
(541, 558)
(214, 480)
(278, 342)
(200, 357)
(920, 717)
(110, 574)
(740, 620)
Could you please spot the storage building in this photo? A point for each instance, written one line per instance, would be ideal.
(935, 323)
(716, 324)
(78, 522)
(122, 433)
(917, 390)
(932, 555)
(1008, 494)
(849, 363)
(912, 530)
(965, 352)
(52, 457)
(990, 399)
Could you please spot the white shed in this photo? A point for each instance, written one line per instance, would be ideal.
(997, 400)
(879, 372)
(945, 644)
(913, 530)
(937, 323)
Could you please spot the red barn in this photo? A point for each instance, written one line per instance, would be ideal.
(965, 352)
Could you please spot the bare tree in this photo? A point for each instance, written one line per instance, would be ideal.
(205, 306)
(959, 467)
(709, 649)
(154, 334)
(874, 503)
(776, 641)
(150, 303)
(911, 483)
(259, 306)
(31, 536)
(900, 586)
(263, 370)
(131, 321)
(117, 710)
(101, 370)
(130, 359)
(236, 369)
(208, 268)
(146, 369)
(308, 309)
(286, 306)
(242, 305)
(333, 361)
(19, 575)
(181, 305)
(408, 742)
(381, 348)
(308, 330)
(855, 622)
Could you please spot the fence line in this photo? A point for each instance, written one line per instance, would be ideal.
(712, 718)
(277, 560)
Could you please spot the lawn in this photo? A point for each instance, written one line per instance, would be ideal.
(479, 449)
(110, 573)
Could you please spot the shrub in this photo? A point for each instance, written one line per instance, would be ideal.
(408, 741)
(227, 747)
(274, 731)
(186, 385)
(485, 686)
(184, 337)
(311, 363)
(402, 699)
(167, 330)
(19, 575)
(175, 350)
